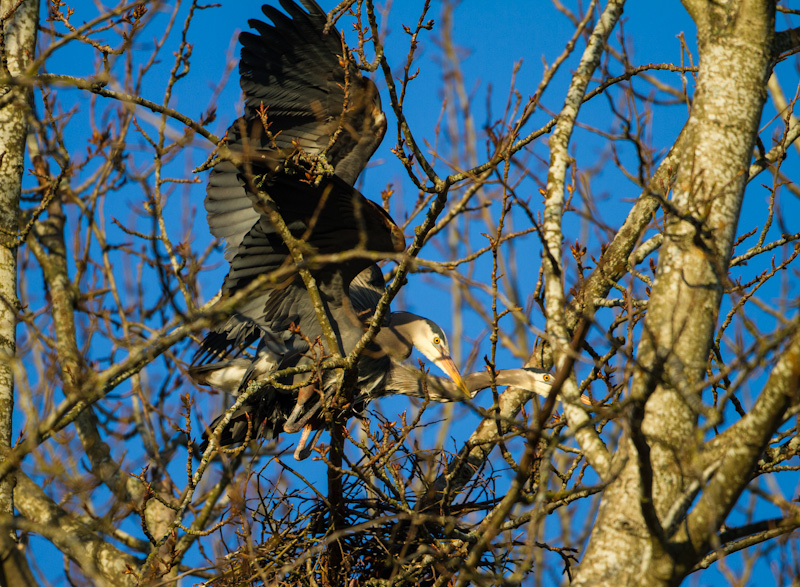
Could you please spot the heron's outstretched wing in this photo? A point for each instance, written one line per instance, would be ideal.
(315, 104)
(315, 96)
(328, 215)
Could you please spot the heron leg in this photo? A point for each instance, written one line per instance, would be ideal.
(297, 419)
(303, 450)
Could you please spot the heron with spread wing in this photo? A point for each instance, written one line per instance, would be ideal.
(311, 123)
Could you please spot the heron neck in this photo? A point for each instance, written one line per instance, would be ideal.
(411, 381)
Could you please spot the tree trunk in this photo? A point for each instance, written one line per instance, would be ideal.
(20, 21)
(632, 546)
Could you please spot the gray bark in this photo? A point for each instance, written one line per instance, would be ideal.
(629, 545)
(98, 560)
(19, 26)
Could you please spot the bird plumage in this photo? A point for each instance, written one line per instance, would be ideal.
(310, 125)
(311, 122)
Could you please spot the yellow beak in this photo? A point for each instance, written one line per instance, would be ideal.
(447, 365)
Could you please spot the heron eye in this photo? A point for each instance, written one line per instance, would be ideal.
(547, 378)
(436, 340)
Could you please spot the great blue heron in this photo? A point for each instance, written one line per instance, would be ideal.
(265, 414)
(307, 108)
(311, 122)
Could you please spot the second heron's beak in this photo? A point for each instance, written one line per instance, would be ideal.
(447, 365)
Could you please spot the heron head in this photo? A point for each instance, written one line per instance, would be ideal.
(431, 341)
